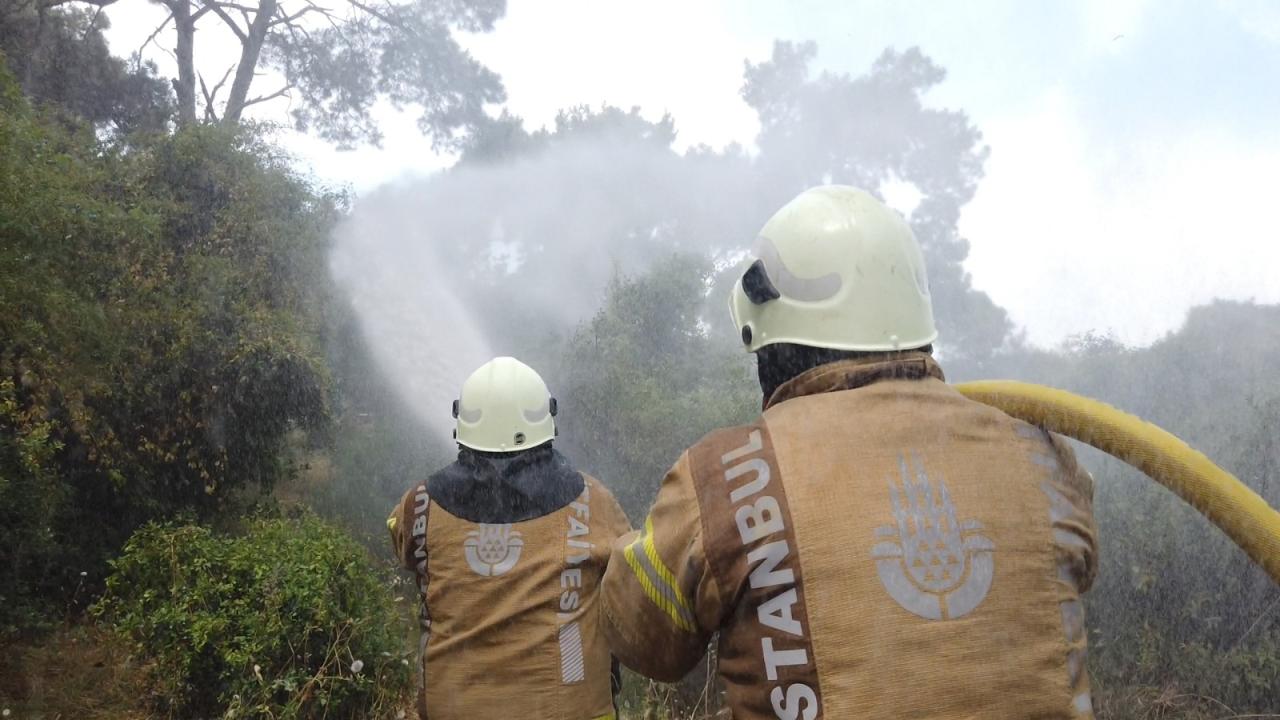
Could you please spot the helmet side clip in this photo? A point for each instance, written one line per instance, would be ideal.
(757, 285)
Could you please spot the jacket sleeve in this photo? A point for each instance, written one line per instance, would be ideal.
(399, 524)
(1075, 532)
(660, 603)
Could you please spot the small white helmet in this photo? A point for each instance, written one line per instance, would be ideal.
(504, 407)
(835, 268)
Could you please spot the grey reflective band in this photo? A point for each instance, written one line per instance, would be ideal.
(470, 417)
(788, 283)
(537, 415)
(665, 590)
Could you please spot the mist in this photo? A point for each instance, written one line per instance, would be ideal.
(516, 245)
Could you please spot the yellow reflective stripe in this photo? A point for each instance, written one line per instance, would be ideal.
(663, 573)
(666, 601)
(653, 593)
(607, 716)
(391, 523)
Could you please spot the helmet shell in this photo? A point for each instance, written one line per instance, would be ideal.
(836, 269)
(504, 407)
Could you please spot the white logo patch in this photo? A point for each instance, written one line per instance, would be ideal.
(493, 549)
(928, 562)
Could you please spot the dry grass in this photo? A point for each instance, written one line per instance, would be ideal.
(80, 672)
(83, 672)
(1167, 703)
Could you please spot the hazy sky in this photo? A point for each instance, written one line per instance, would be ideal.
(1135, 145)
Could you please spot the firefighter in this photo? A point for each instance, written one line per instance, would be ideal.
(874, 544)
(508, 545)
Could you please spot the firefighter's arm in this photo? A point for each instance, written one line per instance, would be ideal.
(1075, 532)
(659, 601)
(399, 524)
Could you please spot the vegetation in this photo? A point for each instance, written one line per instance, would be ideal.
(161, 336)
(1179, 609)
(638, 365)
(287, 620)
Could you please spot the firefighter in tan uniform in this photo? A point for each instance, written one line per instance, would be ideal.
(508, 545)
(874, 544)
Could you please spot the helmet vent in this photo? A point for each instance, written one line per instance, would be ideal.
(746, 334)
(519, 438)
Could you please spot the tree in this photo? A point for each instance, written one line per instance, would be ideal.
(869, 130)
(1177, 609)
(642, 380)
(336, 60)
(162, 312)
(61, 60)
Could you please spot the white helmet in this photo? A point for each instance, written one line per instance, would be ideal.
(835, 268)
(505, 407)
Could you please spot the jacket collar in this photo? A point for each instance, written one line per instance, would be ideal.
(850, 374)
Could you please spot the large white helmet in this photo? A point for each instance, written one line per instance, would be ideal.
(835, 268)
(504, 407)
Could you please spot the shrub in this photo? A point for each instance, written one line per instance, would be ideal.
(288, 620)
(163, 314)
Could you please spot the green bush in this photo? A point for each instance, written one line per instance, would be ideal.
(163, 315)
(288, 620)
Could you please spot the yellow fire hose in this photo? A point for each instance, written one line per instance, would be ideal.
(1241, 513)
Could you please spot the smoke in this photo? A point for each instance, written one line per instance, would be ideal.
(449, 270)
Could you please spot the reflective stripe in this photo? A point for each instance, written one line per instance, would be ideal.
(651, 551)
(658, 582)
(607, 716)
(572, 669)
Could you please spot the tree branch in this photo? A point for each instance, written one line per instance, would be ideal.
(222, 82)
(224, 4)
(282, 19)
(282, 91)
(209, 114)
(151, 38)
(217, 8)
(99, 3)
(250, 51)
(377, 13)
(211, 95)
(328, 15)
(92, 23)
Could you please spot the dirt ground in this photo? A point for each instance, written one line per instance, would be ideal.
(77, 672)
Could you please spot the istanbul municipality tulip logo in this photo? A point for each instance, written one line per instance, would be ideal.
(932, 565)
(493, 549)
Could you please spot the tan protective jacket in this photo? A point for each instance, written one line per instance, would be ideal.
(510, 615)
(875, 545)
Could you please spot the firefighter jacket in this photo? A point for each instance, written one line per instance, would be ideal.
(874, 545)
(508, 553)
